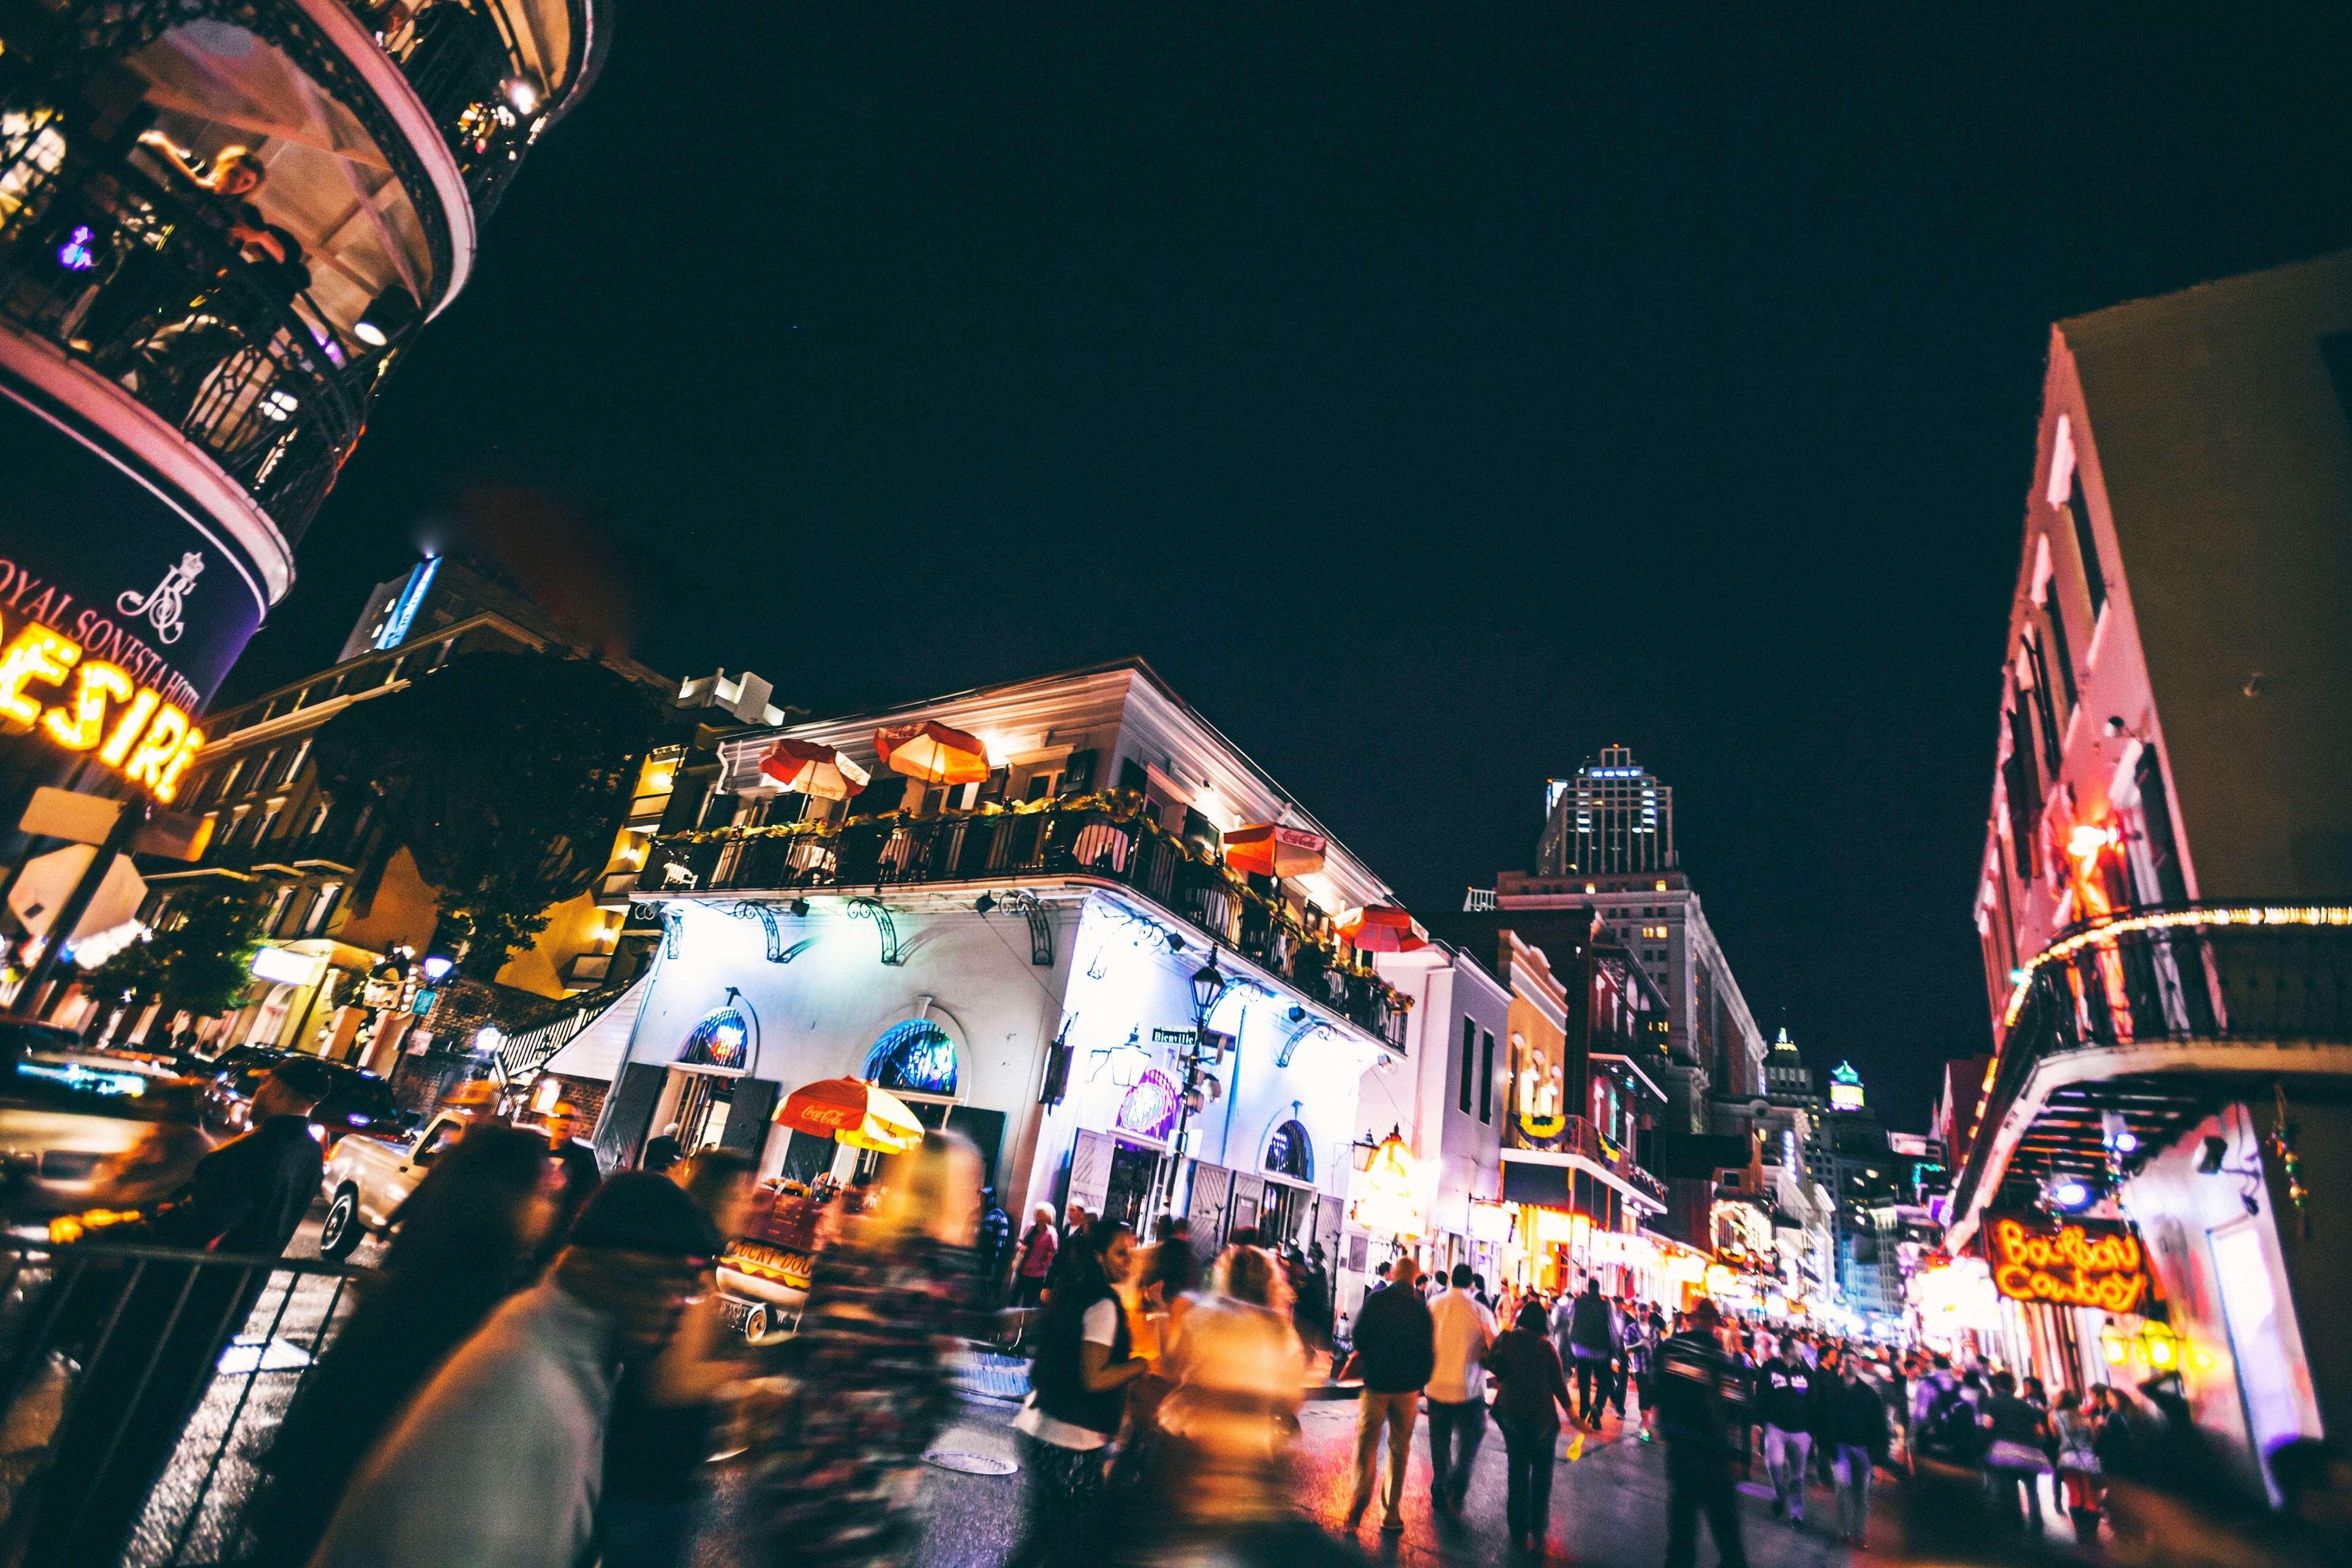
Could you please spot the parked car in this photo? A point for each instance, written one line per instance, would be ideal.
(82, 1130)
(359, 1102)
(369, 1177)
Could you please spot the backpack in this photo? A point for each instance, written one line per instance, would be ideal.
(1950, 1430)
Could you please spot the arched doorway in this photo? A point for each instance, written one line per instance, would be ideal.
(714, 1057)
(1286, 1215)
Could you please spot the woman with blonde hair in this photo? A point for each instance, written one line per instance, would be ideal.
(836, 1467)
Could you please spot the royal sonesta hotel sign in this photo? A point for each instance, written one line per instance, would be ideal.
(2067, 1264)
(120, 609)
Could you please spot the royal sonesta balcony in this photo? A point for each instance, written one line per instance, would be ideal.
(1100, 839)
(2146, 1022)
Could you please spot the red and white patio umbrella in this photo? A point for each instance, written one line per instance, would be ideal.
(1381, 927)
(933, 753)
(1271, 849)
(808, 769)
(853, 1111)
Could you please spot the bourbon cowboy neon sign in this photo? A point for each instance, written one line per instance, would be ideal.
(2068, 1265)
(90, 705)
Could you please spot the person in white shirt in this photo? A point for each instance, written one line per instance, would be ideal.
(1457, 1391)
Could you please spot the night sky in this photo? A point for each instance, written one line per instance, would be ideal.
(1434, 395)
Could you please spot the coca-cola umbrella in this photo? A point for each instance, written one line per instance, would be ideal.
(1381, 927)
(806, 768)
(853, 1111)
(1271, 849)
(933, 753)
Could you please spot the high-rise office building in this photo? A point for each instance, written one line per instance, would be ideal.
(1613, 816)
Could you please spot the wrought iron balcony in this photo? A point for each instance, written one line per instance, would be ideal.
(1069, 839)
(1578, 1136)
(2156, 990)
(151, 289)
(462, 59)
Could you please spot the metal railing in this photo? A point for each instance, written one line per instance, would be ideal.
(2211, 972)
(140, 1384)
(1579, 1137)
(149, 285)
(1126, 849)
(459, 57)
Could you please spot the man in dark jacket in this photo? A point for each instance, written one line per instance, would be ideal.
(1395, 1353)
(992, 1248)
(1784, 1405)
(1592, 1346)
(148, 1372)
(1857, 1429)
(1701, 1402)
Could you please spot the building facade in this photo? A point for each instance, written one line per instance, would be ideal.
(2165, 903)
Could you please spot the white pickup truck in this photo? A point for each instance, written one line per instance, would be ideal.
(367, 1179)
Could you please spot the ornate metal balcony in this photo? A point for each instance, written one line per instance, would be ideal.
(2155, 1015)
(1578, 1136)
(1069, 839)
(467, 65)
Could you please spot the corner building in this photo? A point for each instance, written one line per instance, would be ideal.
(221, 228)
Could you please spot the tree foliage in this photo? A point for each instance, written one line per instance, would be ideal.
(203, 964)
(506, 775)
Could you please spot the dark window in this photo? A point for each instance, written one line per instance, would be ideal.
(2094, 581)
(2061, 653)
(1131, 776)
(2045, 712)
(1486, 1075)
(2024, 782)
(1469, 1060)
(2155, 814)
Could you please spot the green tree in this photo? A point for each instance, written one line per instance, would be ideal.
(506, 775)
(199, 959)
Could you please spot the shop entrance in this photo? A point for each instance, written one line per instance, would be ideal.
(1134, 1171)
(1286, 1215)
(702, 1110)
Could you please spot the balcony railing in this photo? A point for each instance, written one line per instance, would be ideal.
(150, 287)
(2205, 974)
(1119, 846)
(460, 56)
(1579, 1137)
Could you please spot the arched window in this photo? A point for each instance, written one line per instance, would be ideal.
(916, 1056)
(722, 1039)
(1289, 1153)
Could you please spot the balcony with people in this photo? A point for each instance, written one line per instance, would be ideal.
(1106, 836)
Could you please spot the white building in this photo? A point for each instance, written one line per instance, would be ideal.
(1017, 957)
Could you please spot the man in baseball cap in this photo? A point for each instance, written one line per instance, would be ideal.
(501, 1458)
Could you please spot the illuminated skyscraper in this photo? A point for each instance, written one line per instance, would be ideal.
(1612, 818)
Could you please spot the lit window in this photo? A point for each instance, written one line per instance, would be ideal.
(916, 1056)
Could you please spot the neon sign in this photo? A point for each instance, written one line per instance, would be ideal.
(2068, 1265)
(1148, 1110)
(131, 727)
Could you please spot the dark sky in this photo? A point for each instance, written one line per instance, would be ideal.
(1434, 394)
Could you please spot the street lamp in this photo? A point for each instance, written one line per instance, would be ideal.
(1208, 984)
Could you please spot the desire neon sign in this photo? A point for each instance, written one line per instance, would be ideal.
(2068, 1265)
(129, 727)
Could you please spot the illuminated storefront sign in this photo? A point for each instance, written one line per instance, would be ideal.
(2067, 1264)
(48, 687)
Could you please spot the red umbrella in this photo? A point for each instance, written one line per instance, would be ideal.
(933, 753)
(853, 1111)
(814, 770)
(1270, 849)
(1383, 928)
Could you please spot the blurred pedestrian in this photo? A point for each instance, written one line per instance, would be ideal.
(992, 1252)
(2077, 1428)
(665, 1409)
(1701, 1404)
(1078, 1397)
(1857, 1430)
(1175, 1269)
(1530, 1386)
(1072, 1252)
(2015, 1461)
(154, 1359)
(1039, 1245)
(662, 1151)
(1591, 1343)
(582, 1173)
(1395, 1354)
(462, 1243)
(500, 1459)
(834, 1473)
(1784, 1391)
(1462, 1331)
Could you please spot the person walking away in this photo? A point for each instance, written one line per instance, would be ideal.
(1643, 1336)
(1783, 1406)
(1859, 1432)
(992, 1248)
(1461, 1332)
(1072, 1252)
(665, 1410)
(1701, 1402)
(1039, 1244)
(499, 1461)
(1529, 1387)
(582, 1174)
(1078, 1394)
(2076, 1429)
(1395, 1353)
(1313, 1318)
(662, 1151)
(149, 1369)
(833, 1469)
(1591, 1341)
(2016, 1462)
(462, 1243)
